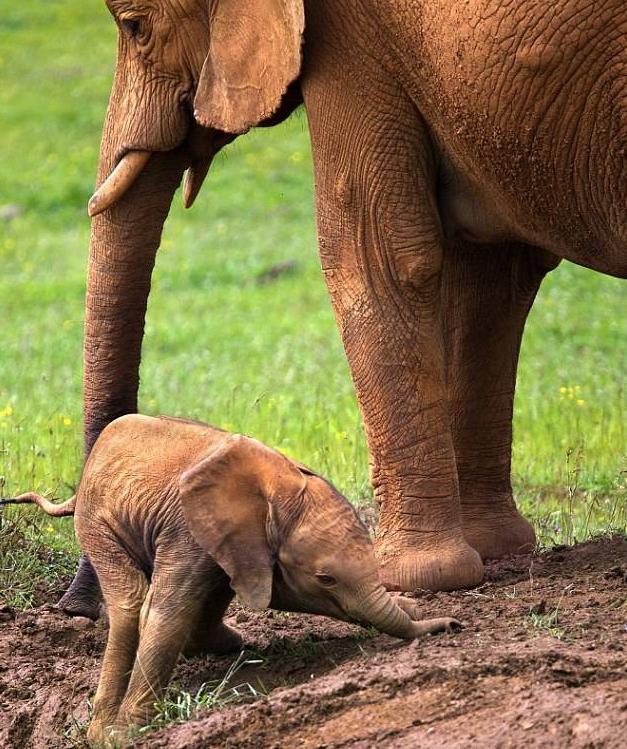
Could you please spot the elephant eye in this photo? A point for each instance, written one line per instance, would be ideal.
(326, 580)
(130, 26)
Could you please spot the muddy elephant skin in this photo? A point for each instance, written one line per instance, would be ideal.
(460, 151)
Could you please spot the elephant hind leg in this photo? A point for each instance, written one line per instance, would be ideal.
(487, 293)
(220, 639)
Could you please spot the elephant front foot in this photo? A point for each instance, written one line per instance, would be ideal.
(445, 564)
(496, 533)
(220, 640)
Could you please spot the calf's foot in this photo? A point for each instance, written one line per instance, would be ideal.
(101, 736)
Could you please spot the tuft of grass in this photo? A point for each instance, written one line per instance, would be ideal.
(75, 734)
(35, 557)
(571, 514)
(180, 706)
(548, 621)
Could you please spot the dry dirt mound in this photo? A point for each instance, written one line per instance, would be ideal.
(542, 662)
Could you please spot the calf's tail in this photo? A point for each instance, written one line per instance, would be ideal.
(50, 508)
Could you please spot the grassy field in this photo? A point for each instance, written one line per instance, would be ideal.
(264, 359)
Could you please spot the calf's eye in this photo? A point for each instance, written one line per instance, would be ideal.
(326, 579)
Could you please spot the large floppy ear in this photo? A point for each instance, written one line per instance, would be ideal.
(226, 501)
(254, 54)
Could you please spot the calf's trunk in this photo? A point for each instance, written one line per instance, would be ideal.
(381, 610)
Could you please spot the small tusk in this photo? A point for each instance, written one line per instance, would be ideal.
(194, 177)
(118, 182)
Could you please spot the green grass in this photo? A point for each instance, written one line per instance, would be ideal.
(179, 706)
(262, 359)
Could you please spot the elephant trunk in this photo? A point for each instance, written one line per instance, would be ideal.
(379, 609)
(123, 244)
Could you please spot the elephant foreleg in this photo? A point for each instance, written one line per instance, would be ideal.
(125, 589)
(487, 293)
(381, 251)
(172, 612)
(211, 636)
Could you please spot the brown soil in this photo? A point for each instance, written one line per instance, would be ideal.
(505, 681)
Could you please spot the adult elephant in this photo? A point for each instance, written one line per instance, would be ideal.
(460, 150)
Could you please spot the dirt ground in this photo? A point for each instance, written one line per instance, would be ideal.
(542, 662)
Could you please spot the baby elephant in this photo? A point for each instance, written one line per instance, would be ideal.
(176, 517)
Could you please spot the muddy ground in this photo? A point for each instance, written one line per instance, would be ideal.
(542, 662)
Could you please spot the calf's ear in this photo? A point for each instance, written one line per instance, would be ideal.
(226, 501)
(254, 54)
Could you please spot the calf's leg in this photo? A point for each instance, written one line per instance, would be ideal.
(124, 588)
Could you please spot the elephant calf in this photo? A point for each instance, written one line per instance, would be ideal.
(176, 517)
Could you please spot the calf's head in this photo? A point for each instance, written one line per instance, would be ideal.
(285, 537)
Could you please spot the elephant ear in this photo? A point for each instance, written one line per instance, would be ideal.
(254, 54)
(227, 502)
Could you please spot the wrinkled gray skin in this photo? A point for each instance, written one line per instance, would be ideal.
(460, 150)
(176, 517)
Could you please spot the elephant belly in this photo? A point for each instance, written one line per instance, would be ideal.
(514, 93)
(467, 213)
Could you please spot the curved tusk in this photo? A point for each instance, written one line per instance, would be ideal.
(194, 177)
(118, 182)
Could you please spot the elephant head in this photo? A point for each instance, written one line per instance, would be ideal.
(288, 539)
(190, 76)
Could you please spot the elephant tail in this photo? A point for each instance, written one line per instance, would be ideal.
(50, 508)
